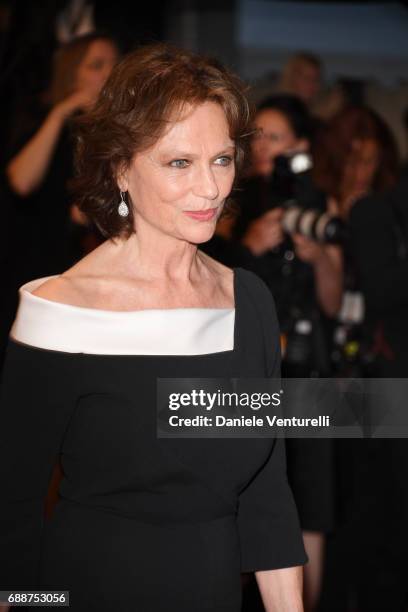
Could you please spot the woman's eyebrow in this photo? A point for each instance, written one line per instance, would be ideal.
(181, 154)
(227, 149)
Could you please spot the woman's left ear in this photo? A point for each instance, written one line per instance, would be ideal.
(122, 179)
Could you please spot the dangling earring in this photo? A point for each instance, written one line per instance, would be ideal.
(123, 208)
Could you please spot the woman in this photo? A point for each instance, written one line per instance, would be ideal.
(356, 164)
(40, 160)
(146, 523)
(284, 128)
(355, 155)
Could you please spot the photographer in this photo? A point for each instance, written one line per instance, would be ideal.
(305, 277)
(355, 156)
(356, 163)
(379, 229)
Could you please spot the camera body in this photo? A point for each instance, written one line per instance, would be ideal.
(305, 333)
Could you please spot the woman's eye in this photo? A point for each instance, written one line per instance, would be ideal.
(179, 163)
(224, 160)
(96, 65)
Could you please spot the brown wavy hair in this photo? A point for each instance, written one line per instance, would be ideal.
(147, 90)
(334, 142)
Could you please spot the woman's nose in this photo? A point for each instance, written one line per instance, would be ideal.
(206, 185)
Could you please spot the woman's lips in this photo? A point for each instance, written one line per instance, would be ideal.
(202, 215)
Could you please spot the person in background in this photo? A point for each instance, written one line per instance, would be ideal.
(356, 163)
(31, 36)
(302, 76)
(283, 128)
(306, 279)
(379, 234)
(355, 155)
(40, 164)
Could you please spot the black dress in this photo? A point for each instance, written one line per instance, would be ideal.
(142, 523)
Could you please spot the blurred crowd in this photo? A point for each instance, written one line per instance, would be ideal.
(321, 214)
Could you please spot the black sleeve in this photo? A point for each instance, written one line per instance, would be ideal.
(268, 521)
(37, 398)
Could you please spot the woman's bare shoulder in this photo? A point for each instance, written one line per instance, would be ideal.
(73, 286)
(64, 289)
(78, 285)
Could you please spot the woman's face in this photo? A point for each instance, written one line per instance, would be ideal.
(361, 166)
(96, 66)
(275, 137)
(179, 185)
(306, 81)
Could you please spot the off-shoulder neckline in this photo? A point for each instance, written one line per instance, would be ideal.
(51, 325)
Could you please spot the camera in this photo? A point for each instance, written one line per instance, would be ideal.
(290, 175)
(312, 223)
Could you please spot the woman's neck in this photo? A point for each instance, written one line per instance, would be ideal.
(168, 258)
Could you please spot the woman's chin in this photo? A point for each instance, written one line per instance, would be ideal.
(202, 233)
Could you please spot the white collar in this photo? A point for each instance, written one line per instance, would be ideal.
(56, 326)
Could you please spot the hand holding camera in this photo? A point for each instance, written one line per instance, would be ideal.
(308, 250)
(265, 232)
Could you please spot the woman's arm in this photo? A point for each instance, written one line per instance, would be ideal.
(28, 168)
(328, 272)
(268, 522)
(327, 265)
(281, 589)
